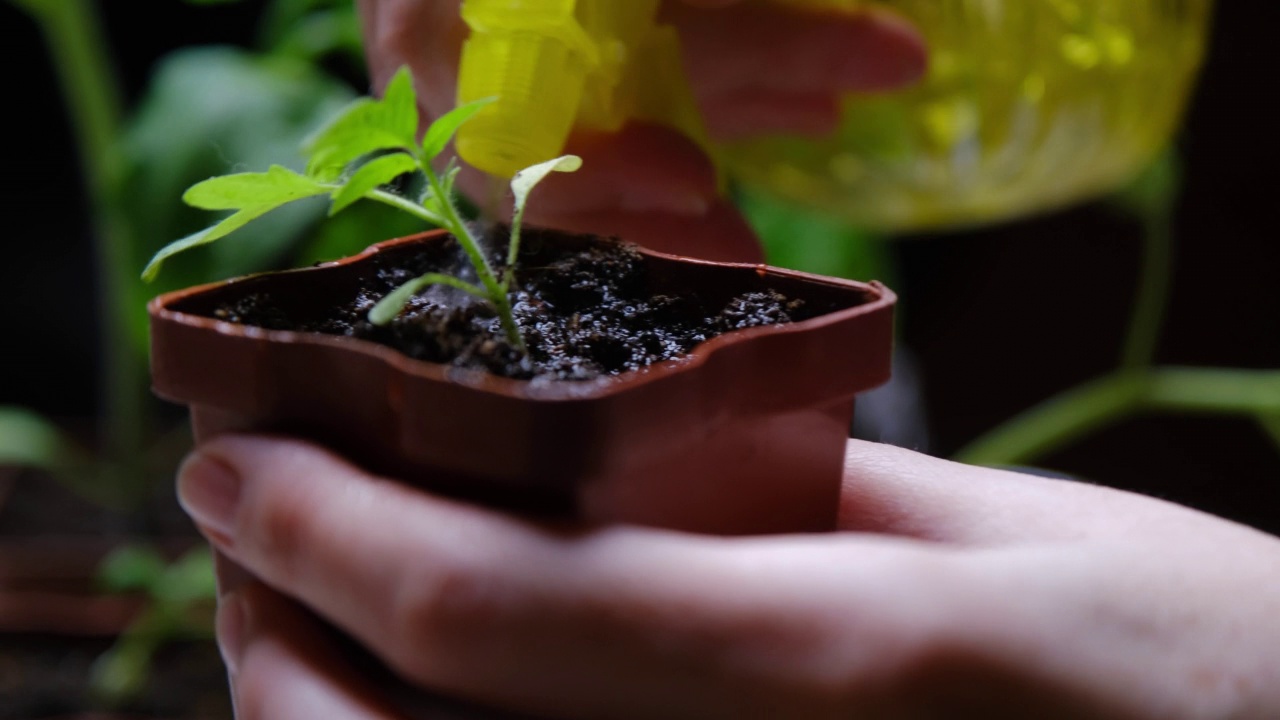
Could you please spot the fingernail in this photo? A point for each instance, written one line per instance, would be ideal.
(230, 623)
(209, 490)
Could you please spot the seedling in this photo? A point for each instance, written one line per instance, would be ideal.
(357, 156)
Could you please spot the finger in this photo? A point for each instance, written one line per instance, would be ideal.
(485, 606)
(646, 184)
(722, 235)
(750, 113)
(284, 665)
(426, 36)
(899, 492)
(778, 49)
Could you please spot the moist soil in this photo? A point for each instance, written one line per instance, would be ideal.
(584, 313)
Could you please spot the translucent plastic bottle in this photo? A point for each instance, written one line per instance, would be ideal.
(554, 64)
(1028, 105)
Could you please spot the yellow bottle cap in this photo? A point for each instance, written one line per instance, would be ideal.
(554, 64)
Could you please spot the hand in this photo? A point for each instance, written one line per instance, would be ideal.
(954, 592)
(754, 69)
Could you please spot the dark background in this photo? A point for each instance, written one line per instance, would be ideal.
(999, 318)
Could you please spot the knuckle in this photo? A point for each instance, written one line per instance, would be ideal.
(280, 527)
(443, 615)
(252, 694)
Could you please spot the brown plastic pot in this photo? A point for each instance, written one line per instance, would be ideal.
(745, 435)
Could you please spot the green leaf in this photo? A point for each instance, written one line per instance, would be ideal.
(526, 180)
(131, 568)
(353, 230)
(253, 194)
(316, 36)
(204, 237)
(370, 176)
(204, 109)
(521, 185)
(391, 305)
(798, 238)
(190, 579)
(368, 126)
(275, 187)
(28, 440)
(443, 129)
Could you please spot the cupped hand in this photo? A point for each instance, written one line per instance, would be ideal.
(952, 592)
(754, 68)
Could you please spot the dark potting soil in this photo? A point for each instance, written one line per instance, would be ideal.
(583, 313)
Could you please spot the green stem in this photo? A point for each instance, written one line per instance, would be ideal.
(1134, 385)
(1056, 422)
(513, 249)
(1153, 290)
(92, 95)
(1196, 390)
(1271, 426)
(400, 203)
(454, 222)
(1080, 410)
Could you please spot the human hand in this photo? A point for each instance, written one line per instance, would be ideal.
(953, 592)
(754, 69)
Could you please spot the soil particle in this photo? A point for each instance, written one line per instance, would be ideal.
(583, 314)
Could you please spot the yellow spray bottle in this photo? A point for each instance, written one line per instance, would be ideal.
(557, 64)
(1027, 105)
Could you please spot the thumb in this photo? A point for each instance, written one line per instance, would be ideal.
(646, 184)
(898, 492)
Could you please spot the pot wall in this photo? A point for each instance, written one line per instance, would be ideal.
(745, 435)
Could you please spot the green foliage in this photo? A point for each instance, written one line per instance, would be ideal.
(441, 132)
(251, 195)
(366, 126)
(357, 156)
(521, 186)
(29, 440)
(202, 107)
(177, 592)
(371, 175)
(131, 568)
(799, 239)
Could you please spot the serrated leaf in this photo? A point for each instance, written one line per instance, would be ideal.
(204, 237)
(367, 126)
(277, 186)
(526, 180)
(204, 108)
(390, 306)
(442, 130)
(371, 175)
(29, 440)
(252, 195)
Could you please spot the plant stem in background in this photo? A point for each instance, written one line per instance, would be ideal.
(1135, 386)
(91, 92)
(1271, 426)
(1156, 214)
(1089, 407)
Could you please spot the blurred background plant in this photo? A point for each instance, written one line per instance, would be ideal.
(1015, 347)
